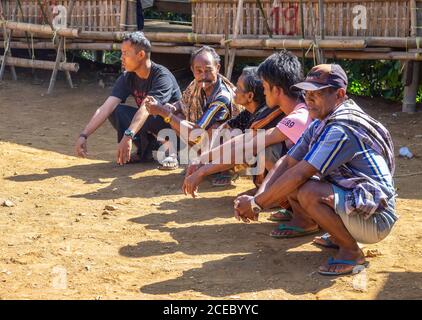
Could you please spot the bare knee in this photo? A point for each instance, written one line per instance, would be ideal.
(308, 194)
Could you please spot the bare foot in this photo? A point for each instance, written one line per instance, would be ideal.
(343, 263)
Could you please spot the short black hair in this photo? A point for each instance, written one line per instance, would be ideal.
(205, 49)
(282, 69)
(253, 83)
(139, 40)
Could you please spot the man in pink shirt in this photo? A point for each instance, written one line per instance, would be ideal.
(278, 73)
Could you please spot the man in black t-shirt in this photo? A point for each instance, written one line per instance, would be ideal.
(142, 78)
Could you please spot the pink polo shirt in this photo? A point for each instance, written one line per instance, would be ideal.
(294, 124)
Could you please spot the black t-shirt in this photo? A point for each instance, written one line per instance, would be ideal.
(161, 84)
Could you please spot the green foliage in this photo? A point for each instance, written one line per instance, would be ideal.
(169, 16)
(378, 78)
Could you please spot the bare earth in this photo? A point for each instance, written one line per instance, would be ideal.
(57, 242)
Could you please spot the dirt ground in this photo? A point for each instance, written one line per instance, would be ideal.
(58, 243)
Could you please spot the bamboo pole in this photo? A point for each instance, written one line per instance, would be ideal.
(295, 44)
(59, 57)
(123, 15)
(40, 64)
(40, 29)
(232, 54)
(155, 36)
(413, 18)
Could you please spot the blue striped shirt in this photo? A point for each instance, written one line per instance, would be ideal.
(345, 161)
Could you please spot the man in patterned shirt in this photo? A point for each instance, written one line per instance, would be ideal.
(339, 176)
(205, 104)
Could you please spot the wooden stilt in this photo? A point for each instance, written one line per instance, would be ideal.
(232, 54)
(60, 57)
(411, 90)
(411, 75)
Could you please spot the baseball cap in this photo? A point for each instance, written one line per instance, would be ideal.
(323, 76)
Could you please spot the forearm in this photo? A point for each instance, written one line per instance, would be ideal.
(279, 169)
(139, 119)
(101, 115)
(210, 168)
(284, 185)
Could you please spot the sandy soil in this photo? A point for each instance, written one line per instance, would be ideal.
(58, 243)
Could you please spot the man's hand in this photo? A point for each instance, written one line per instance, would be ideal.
(123, 150)
(154, 108)
(81, 149)
(191, 183)
(243, 209)
(192, 168)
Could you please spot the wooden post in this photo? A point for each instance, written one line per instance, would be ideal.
(59, 57)
(7, 50)
(321, 28)
(123, 15)
(412, 68)
(232, 54)
(411, 90)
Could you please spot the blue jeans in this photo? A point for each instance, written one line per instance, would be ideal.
(144, 140)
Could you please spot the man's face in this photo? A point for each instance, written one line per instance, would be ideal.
(242, 96)
(205, 70)
(271, 94)
(131, 59)
(321, 102)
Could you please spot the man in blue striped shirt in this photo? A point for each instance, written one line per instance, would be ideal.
(337, 177)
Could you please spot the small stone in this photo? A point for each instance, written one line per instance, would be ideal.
(372, 253)
(8, 203)
(394, 114)
(87, 268)
(110, 208)
(106, 218)
(82, 214)
(77, 220)
(106, 213)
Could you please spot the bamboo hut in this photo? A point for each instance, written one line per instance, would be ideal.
(344, 29)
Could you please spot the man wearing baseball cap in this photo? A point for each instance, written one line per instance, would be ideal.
(338, 177)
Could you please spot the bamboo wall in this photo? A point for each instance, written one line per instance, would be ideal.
(386, 18)
(88, 15)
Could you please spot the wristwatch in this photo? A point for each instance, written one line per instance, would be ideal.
(83, 135)
(255, 207)
(129, 133)
(168, 118)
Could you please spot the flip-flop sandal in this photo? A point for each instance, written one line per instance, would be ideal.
(169, 163)
(224, 179)
(281, 215)
(326, 242)
(299, 232)
(357, 267)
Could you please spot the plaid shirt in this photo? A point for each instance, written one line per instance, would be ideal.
(367, 193)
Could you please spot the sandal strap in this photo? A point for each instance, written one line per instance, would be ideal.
(332, 261)
(283, 227)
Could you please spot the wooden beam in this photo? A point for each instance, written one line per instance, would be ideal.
(40, 64)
